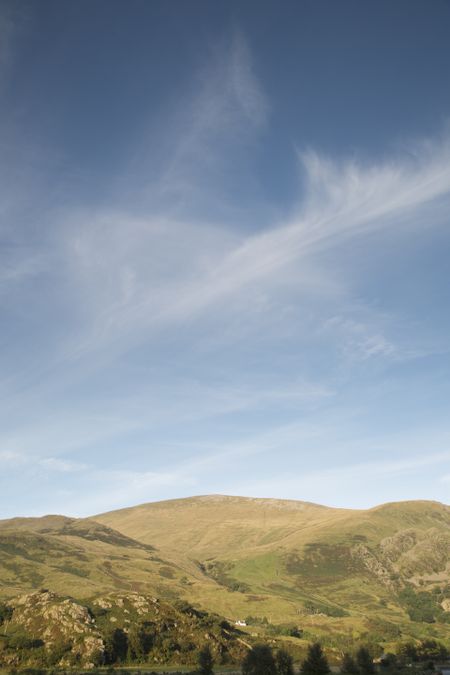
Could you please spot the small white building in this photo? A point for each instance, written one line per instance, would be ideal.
(240, 623)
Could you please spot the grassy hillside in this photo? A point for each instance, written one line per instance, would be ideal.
(336, 572)
(81, 558)
(212, 525)
(290, 568)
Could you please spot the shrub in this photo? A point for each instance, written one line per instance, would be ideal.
(5, 612)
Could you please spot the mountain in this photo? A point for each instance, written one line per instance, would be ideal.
(289, 568)
(338, 574)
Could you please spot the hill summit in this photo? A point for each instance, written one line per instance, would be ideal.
(279, 567)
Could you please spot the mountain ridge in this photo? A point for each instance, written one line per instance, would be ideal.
(333, 572)
(217, 497)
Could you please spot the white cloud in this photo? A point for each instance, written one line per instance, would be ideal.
(360, 340)
(9, 457)
(27, 461)
(99, 284)
(152, 274)
(62, 465)
(224, 106)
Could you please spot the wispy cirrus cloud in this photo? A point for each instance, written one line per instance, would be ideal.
(175, 307)
(129, 275)
(328, 485)
(226, 97)
(220, 112)
(146, 280)
(9, 457)
(21, 461)
(62, 465)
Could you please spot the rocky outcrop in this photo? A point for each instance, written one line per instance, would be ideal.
(445, 604)
(393, 547)
(45, 629)
(381, 570)
(60, 626)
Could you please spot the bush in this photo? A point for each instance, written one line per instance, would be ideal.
(5, 612)
(421, 607)
(424, 650)
(20, 641)
(323, 608)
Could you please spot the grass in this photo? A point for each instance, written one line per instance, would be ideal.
(279, 556)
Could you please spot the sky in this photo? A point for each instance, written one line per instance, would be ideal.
(224, 252)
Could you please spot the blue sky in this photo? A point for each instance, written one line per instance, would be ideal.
(224, 246)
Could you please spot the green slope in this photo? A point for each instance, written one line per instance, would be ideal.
(338, 574)
(327, 569)
(81, 558)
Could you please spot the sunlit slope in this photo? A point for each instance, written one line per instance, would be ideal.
(216, 525)
(80, 558)
(291, 558)
(381, 571)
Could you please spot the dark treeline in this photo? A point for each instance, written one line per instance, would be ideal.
(414, 659)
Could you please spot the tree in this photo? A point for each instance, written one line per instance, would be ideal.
(136, 643)
(116, 644)
(259, 661)
(284, 663)
(364, 661)
(316, 662)
(205, 661)
(348, 665)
